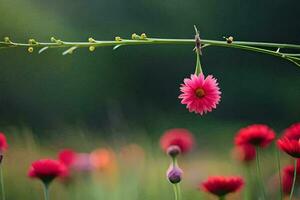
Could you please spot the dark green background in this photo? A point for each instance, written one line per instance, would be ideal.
(139, 85)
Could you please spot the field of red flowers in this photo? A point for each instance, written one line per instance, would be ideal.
(249, 162)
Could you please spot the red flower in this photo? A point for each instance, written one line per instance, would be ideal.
(255, 135)
(245, 153)
(287, 177)
(3, 143)
(177, 137)
(47, 170)
(292, 132)
(287, 182)
(67, 157)
(221, 186)
(289, 146)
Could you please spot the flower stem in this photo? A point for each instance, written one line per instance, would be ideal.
(2, 182)
(279, 171)
(294, 179)
(46, 191)
(260, 47)
(177, 191)
(198, 64)
(176, 186)
(249, 183)
(222, 198)
(259, 174)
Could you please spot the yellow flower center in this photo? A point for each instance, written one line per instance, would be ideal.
(199, 92)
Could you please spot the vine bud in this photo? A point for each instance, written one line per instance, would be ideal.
(134, 36)
(174, 174)
(229, 40)
(143, 36)
(92, 48)
(53, 39)
(92, 40)
(7, 40)
(32, 41)
(30, 49)
(118, 38)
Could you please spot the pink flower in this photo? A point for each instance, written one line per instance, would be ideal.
(3, 143)
(67, 156)
(255, 135)
(288, 175)
(47, 170)
(200, 94)
(82, 162)
(177, 137)
(289, 146)
(293, 132)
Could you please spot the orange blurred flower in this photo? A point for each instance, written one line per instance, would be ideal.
(102, 158)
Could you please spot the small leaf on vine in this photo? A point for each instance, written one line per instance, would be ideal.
(69, 51)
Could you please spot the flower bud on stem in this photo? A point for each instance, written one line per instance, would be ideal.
(174, 175)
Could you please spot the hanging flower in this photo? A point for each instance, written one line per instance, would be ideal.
(200, 94)
(289, 146)
(221, 186)
(177, 138)
(293, 132)
(47, 170)
(255, 135)
(3, 142)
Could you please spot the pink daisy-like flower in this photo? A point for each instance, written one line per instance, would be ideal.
(200, 94)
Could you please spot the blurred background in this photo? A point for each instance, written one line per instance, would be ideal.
(115, 98)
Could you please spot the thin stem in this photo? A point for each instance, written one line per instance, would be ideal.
(249, 183)
(2, 182)
(294, 179)
(176, 186)
(174, 161)
(222, 198)
(279, 171)
(260, 47)
(177, 191)
(259, 174)
(46, 191)
(198, 64)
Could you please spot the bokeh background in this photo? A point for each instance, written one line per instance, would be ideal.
(115, 98)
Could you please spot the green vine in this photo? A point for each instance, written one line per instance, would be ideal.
(273, 49)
